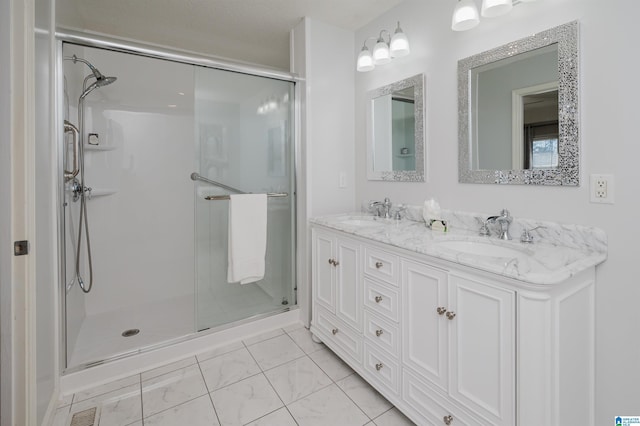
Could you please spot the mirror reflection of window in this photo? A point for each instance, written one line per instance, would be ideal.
(540, 137)
(501, 90)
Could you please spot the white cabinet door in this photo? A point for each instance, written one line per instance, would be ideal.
(424, 329)
(323, 271)
(337, 277)
(348, 282)
(482, 348)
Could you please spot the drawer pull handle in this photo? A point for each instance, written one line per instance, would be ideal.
(447, 420)
(451, 315)
(378, 299)
(379, 333)
(379, 366)
(441, 310)
(379, 265)
(334, 331)
(333, 262)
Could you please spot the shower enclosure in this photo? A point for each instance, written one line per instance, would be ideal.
(160, 149)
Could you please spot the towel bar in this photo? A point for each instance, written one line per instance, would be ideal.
(226, 197)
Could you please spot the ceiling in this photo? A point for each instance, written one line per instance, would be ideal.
(253, 31)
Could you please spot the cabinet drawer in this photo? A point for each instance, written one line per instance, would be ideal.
(382, 368)
(382, 333)
(381, 299)
(431, 407)
(382, 265)
(339, 333)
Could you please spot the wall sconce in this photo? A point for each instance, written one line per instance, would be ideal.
(466, 16)
(383, 51)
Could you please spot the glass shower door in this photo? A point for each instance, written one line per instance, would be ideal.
(244, 128)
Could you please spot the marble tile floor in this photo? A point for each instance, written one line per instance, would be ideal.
(280, 378)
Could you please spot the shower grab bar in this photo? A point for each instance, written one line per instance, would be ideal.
(70, 128)
(195, 176)
(226, 197)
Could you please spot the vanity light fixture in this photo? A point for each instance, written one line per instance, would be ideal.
(466, 16)
(384, 50)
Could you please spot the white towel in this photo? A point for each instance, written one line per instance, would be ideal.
(247, 237)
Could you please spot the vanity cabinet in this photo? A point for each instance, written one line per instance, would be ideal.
(337, 290)
(458, 336)
(452, 345)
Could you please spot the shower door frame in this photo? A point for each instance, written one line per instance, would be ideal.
(129, 47)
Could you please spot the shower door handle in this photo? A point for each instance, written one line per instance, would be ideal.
(70, 128)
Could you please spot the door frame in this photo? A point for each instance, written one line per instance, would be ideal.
(17, 214)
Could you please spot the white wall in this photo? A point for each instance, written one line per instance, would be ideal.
(321, 55)
(608, 46)
(330, 109)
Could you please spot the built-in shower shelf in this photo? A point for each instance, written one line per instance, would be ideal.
(100, 192)
(98, 148)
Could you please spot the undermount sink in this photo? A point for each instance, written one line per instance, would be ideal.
(362, 221)
(480, 248)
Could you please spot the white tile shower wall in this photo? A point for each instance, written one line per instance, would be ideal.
(608, 144)
(142, 234)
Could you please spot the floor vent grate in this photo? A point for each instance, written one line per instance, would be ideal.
(84, 418)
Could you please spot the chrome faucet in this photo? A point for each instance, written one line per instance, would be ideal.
(503, 221)
(385, 212)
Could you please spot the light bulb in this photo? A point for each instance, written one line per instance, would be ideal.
(465, 16)
(399, 45)
(381, 54)
(493, 8)
(365, 60)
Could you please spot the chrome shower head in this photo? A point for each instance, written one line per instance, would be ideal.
(101, 80)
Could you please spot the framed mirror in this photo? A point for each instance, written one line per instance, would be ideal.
(518, 112)
(395, 131)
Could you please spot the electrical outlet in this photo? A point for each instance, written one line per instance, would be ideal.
(602, 189)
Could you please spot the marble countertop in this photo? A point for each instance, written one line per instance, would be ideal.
(557, 253)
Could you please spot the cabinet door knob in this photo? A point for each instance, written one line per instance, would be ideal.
(331, 261)
(447, 420)
(336, 263)
(451, 315)
(379, 333)
(378, 299)
(441, 310)
(379, 265)
(334, 331)
(379, 366)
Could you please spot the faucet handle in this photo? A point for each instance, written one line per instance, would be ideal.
(526, 236)
(398, 215)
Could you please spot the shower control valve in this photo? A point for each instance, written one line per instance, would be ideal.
(78, 190)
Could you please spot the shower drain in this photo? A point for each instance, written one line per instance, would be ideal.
(130, 332)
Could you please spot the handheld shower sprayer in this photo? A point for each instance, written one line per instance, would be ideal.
(83, 222)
